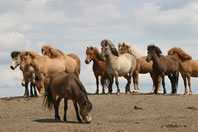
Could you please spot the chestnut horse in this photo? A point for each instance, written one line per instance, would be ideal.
(28, 74)
(99, 68)
(142, 67)
(188, 67)
(45, 66)
(56, 53)
(163, 65)
(118, 65)
(68, 86)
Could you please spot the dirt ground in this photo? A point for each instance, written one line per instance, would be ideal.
(134, 112)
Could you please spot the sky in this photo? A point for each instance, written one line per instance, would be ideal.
(72, 26)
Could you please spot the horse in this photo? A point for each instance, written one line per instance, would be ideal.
(99, 68)
(28, 74)
(118, 65)
(163, 65)
(56, 53)
(188, 67)
(142, 66)
(45, 66)
(67, 86)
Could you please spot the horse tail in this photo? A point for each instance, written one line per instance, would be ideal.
(175, 82)
(48, 101)
(105, 81)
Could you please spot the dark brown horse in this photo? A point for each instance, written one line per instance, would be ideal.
(68, 86)
(163, 65)
(188, 67)
(142, 67)
(99, 68)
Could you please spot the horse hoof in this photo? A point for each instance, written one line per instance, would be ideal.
(118, 93)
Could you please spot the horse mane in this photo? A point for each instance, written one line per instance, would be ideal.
(183, 55)
(157, 49)
(14, 54)
(111, 45)
(31, 53)
(54, 51)
(131, 50)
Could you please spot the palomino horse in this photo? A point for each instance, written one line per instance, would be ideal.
(45, 66)
(28, 74)
(142, 66)
(163, 65)
(68, 86)
(188, 67)
(118, 65)
(99, 68)
(56, 53)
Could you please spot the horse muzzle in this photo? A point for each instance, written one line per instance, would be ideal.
(148, 59)
(12, 67)
(87, 61)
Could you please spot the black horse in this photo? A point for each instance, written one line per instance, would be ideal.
(163, 65)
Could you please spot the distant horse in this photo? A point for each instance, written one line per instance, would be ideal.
(68, 86)
(142, 66)
(118, 65)
(56, 53)
(45, 66)
(188, 67)
(28, 74)
(99, 68)
(163, 65)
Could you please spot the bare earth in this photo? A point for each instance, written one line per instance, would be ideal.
(134, 112)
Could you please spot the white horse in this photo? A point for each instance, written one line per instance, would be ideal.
(118, 65)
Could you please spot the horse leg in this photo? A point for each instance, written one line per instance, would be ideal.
(56, 105)
(163, 83)
(102, 82)
(31, 90)
(156, 82)
(135, 82)
(111, 78)
(185, 83)
(189, 84)
(76, 110)
(35, 92)
(152, 76)
(117, 84)
(97, 85)
(65, 110)
(26, 94)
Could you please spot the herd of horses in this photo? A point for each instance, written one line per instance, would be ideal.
(56, 75)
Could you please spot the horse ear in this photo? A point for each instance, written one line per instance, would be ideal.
(26, 53)
(91, 48)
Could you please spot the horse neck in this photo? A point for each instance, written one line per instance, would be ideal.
(156, 60)
(96, 60)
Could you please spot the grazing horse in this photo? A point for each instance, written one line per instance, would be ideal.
(188, 67)
(68, 86)
(163, 65)
(56, 53)
(45, 66)
(28, 74)
(142, 66)
(118, 65)
(99, 68)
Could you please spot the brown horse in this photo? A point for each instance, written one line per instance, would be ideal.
(56, 53)
(28, 74)
(188, 67)
(43, 65)
(142, 67)
(163, 65)
(68, 86)
(99, 68)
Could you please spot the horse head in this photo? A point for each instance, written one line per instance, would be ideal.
(108, 48)
(85, 109)
(92, 53)
(51, 52)
(26, 59)
(153, 51)
(123, 48)
(16, 60)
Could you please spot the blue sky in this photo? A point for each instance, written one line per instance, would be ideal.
(71, 26)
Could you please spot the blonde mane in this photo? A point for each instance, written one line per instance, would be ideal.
(131, 50)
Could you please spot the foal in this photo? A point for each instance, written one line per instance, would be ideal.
(99, 68)
(163, 65)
